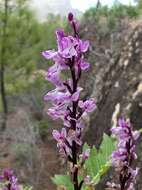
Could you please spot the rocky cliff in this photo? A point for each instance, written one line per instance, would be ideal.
(115, 80)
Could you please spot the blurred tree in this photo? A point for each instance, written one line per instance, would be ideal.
(98, 5)
(25, 38)
(4, 21)
(139, 2)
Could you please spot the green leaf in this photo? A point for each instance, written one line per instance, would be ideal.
(85, 147)
(24, 187)
(63, 180)
(98, 162)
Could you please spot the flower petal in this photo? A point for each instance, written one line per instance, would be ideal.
(50, 54)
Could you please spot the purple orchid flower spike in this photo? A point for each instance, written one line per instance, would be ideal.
(66, 98)
(125, 154)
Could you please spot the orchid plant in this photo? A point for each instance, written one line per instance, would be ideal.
(123, 157)
(87, 165)
(68, 106)
(65, 98)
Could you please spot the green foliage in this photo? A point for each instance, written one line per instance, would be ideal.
(95, 166)
(139, 2)
(108, 20)
(118, 10)
(26, 38)
(24, 187)
(63, 180)
(98, 163)
(21, 151)
(43, 126)
(0, 106)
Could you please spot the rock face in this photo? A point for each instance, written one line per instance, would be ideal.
(116, 80)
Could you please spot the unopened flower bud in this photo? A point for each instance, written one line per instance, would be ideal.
(70, 17)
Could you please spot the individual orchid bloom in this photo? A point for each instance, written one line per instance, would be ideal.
(81, 65)
(62, 97)
(75, 96)
(57, 97)
(84, 65)
(83, 46)
(134, 173)
(49, 54)
(88, 105)
(57, 112)
(57, 68)
(80, 125)
(53, 75)
(85, 155)
(74, 136)
(67, 47)
(118, 158)
(55, 79)
(59, 36)
(61, 139)
(70, 46)
(13, 182)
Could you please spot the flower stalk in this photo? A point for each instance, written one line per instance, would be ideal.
(65, 98)
(124, 156)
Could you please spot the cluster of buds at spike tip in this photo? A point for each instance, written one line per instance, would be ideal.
(123, 157)
(65, 98)
(8, 180)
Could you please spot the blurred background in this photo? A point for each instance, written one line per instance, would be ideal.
(27, 27)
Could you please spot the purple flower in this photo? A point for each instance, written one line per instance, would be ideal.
(60, 136)
(74, 136)
(125, 154)
(88, 105)
(58, 97)
(70, 17)
(49, 54)
(65, 141)
(85, 155)
(9, 180)
(65, 98)
(61, 99)
(57, 112)
(68, 47)
(75, 96)
(83, 46)
(84, 65)
(61, 139)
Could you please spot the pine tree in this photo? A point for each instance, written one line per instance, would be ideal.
(4, 22)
